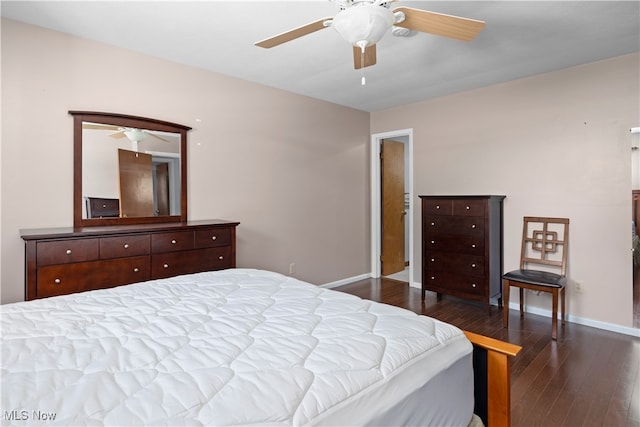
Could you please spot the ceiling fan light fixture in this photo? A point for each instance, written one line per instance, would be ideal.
(363, 25)
(135, 135)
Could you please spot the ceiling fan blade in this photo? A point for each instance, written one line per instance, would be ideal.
(117, 135)
(158, 137)
(87, 125)
(369, 56)
(293, 34)
(440, 24)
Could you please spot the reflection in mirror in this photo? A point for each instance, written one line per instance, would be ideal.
(128, 170)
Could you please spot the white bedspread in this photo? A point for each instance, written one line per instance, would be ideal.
(234, 347)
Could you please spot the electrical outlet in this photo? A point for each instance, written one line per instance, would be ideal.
(579, 288)
(292, 268)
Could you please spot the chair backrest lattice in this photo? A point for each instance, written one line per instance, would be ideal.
(545, 241)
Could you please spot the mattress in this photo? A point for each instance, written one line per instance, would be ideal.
(232, 347)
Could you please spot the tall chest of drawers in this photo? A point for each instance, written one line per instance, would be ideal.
(462, 251)
(60, 261)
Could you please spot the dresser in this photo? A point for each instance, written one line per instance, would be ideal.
(61, 261)
(462, 251)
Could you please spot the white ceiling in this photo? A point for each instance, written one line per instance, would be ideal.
(521, 38)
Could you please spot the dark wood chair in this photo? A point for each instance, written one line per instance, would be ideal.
(545, 243)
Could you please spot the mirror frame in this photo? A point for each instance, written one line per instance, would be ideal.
(133, 122)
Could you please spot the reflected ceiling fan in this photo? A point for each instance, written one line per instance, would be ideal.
(133, 134)
(362, 23)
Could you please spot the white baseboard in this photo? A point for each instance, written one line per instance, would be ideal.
(580, 320)
(346, 281)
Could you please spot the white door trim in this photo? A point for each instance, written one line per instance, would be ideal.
(376, 238)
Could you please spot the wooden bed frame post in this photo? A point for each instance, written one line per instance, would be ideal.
(492, 377)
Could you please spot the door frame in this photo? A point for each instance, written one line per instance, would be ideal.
(376, 199)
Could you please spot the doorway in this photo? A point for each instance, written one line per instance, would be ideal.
(402, 210)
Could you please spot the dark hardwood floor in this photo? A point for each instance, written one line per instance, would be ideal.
(588, 377)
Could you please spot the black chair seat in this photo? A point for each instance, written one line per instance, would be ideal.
(537, 277)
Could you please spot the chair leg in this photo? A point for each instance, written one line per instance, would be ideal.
(521, 302)
(554, 315)
(563, 293)
(505, 290)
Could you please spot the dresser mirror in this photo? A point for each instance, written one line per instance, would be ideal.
(128, 170)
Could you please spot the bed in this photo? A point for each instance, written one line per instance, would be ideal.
(229, 348)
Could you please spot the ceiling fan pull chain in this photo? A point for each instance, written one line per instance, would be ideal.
(363, 80)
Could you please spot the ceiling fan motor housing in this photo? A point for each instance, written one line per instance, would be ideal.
(363, 25)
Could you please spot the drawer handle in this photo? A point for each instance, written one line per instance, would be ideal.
(68, 251)
(433, 260)
(473, 265)
(433, 224)
(214, 237)
(220, 257)
(165, 266)
(437, 206)
(433, 277)
(136, 269)
(433, 241)
(473, 245)
(473, 285)
(57, 281)
(467, 208)
(473, 226)
(173, 242)
(126, 246)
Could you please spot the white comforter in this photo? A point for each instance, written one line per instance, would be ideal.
(234, 347)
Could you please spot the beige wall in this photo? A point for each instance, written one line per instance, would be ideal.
(293, 170)
(556, 144)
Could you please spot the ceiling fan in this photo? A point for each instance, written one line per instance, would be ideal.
(362, 23)
(133, 134)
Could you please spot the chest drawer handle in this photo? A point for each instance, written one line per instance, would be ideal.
(173, 242)
(433, 224)
(473, 285)
(136, 269)
(214, 237)
(57, 281)
(220, 257)
(126, 246)
(68, 252)
(467, 208)
(473, 265)
(433, 277)
(433, 241)
(437, 206)
(433, 260)
(473, 226)
(473, 245)
(165, 266)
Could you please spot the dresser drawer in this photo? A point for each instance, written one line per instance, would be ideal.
(469, 207)
(84, 276)
(471, 265)
(437, 206)
(434, 226)
(472, 245)
(124, 246)
(169, 242)
(68, 251)
(103, 208)
(194, 261)
(453, 283)
(212, 237)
